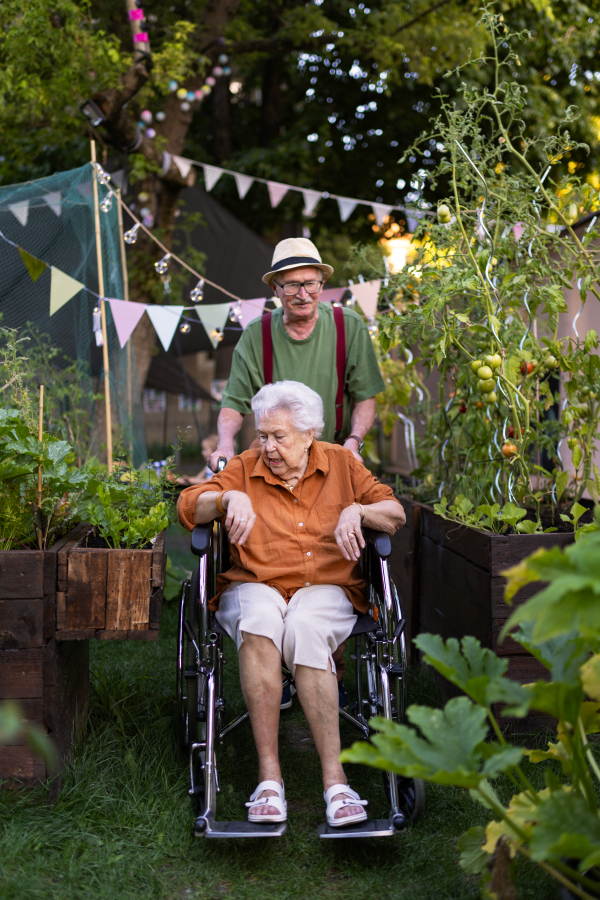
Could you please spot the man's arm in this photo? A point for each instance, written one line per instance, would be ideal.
(228, 425)
(363, 416)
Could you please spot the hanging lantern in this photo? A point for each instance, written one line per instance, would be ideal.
(185, 328)
(161, 116)
(236, 313)
(198, 292)
(106, 204)
(146, 116)
(185, 106)
(217, 71)
(166, 279)
(211, 81)
(173, 86)
(150, 133)
(143, 197)
(181, 94)
(97, 327)
(144, 211)
(163, 264)
(199, 95)
(372, 328)
(130, 237)
(190, 96)
(223, 59)
(226, 70)
(148, 220)
(206, 89)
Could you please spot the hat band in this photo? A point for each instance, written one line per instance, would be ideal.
(296, 260)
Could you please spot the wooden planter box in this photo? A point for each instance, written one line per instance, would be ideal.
(109, 595)
(50, 681)
(405, 569)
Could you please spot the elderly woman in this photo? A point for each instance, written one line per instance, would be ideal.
(294, 512)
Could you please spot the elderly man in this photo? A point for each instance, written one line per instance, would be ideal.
(303, 346)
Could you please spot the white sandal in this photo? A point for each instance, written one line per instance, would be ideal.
(277, 802)
(334, 805)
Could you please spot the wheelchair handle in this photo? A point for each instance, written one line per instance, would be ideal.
(221, 463)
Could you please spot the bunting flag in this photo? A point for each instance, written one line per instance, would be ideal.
(276, 192)
(311, 198)
(20, 211)
(126, 316)
(62, 289)
(213, 316)
(347, 207)
(165, 320)
(85, 189)
(53, 199)
(250, 310)
(35, 267)
(517, 231)
(243, 183)
(331, 295)
(381, 211)
(184, 166)
(367, 293)
(211, 176)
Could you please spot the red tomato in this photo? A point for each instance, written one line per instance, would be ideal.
(527, 368)
(511, 431)
(509, 450)
(462, 408)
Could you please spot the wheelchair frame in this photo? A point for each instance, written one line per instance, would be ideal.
(380, 666)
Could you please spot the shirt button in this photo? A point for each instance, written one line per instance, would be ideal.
(309, 553)
(307, 584)
(300, 524)
(295, 499)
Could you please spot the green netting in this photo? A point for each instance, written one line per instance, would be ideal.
(53, 220)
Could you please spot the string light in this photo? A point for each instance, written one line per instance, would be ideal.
(102, 176)
(197, 293)
(351, 300)
(130, 237)
(161, 116)
(185, 327)
(163, 264)
(106, 204)
(372, 327)
(167, 283)
(185, 106)
(97, 326)
(236, 313)
(218, 334)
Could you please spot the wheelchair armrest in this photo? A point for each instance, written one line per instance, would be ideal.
(201, 539)
(381, 542)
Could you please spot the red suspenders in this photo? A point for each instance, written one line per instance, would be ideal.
(340, 359)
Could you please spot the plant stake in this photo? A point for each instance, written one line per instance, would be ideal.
(109, 454)
(39, 490)
(126, 298)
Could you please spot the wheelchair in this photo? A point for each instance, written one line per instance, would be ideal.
(380, 689)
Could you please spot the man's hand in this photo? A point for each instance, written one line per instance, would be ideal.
(240, 517)
(348, 534)
(213, 459)
(352, 445)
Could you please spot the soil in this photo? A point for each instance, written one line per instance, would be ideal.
(95, 542)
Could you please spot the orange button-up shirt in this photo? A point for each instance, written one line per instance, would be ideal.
(292, 544)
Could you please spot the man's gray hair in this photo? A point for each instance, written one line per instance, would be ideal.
(303, 404)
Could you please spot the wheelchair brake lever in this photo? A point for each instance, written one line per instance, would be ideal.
(399, 630)
(191, 636)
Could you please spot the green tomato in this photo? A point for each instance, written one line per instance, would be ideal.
(486, 385)
(495, 361)
(484, 372)
(551, 362)
(475, 366)
(492, 397)
(443, 213)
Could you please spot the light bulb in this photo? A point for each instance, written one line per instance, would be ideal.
(146, 116)
(217, 71)
(185, 328)
(130, 237)
(163, 264)
(351, 300)
(167, 283)
(185, 106)
(106, 204)
(96, 320)
(161, 116)
(198, 292)
(144, 211)
(181, 94)
(190, 96)
(372, 328)
(236, 313)
(218, 334)
(150, 133)
(148, 221)
(102, 176)
(223, 59)
(226, 70)
(173, 85)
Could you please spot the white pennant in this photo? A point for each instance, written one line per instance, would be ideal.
(366, 294)
(211, 176)
(276, 192)
(311, 198)
(53, 199)
(165, 320)
(20, 210)
(213, 316)
(184, 165)
(381, 211)
(243, 184)
(347, 207)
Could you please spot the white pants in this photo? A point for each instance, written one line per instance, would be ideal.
(306, 631)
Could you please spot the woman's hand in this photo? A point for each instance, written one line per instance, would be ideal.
(240, 517)
(348, 534)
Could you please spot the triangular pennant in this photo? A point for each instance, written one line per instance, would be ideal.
(243, 184)
(126, 315)
(120, 180)
(62, 288)
(276, 192)
(184, 166)
(85, 189)
(165, 320)
(311, 198)
(517, 231)
(381, 211)
(347, 207)
(35, 267)
(366, 294)
(249, 310)
(211, 176)
(330, 295)
(20, 210)
(53, 199)
(214, 314)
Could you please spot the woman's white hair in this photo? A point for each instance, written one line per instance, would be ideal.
(303, 404)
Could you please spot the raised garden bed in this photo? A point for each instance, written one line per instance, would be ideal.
(107, 594)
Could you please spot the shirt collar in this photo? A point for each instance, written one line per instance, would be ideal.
(317, 459)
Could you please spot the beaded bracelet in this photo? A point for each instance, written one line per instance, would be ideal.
(220, 509)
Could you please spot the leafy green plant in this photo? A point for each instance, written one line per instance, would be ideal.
(557, 827)
(120, 524)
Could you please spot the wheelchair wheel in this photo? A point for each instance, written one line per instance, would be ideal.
(187, 687)
(411, 794)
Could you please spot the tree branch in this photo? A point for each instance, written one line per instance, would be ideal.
(277, 44)
(420, 16)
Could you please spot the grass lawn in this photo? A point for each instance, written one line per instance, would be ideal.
(121, 827)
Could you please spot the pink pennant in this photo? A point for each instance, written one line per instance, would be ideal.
(136, 15)
(141, 38)
(517, 231)
(366, 294)
(332, 294)
(126, 316)
(249, 310)
(276, 192)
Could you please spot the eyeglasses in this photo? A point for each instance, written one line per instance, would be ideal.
(293, 287)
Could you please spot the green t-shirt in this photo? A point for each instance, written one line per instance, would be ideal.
(310, 361)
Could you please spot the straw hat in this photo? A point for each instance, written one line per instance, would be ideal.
(295, 252)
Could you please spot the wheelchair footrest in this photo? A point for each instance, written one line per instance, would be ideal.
(370, 828)
(212, 829)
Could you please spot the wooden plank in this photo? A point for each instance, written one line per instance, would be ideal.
(526, 669)
(66, 690)
(33, 711)
(21, 574)
(468, 542)
(159, 560)
(435, 622)
(128, 589)
(509, 549)
(20, 674)
(86, 594)
(156, 600)
(21, 624)
(21, 764)
(508, 647)
(75, 634)
(457, 573)
(142, 635)
(49, 614)
(111, 635)
(61, 610)
(71, 538)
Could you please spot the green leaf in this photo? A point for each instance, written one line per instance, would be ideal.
(562, 480)
(527, 527)
(577, 455)
(565, 827)
(511, 513)
(591, 341)
(473, 857)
